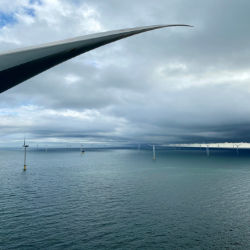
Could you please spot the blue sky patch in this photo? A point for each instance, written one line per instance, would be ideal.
(35, 2)
(29, 11)
(7, 18)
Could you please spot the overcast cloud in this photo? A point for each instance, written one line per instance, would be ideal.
(166, 86)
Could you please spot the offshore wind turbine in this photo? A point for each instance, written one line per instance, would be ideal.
(20, 65)
(237, 148)
(82, 149)
(25, 149)
(207, 150)
(154, 156)
(153, 151)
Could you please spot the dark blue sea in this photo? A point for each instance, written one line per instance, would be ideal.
(122, 199)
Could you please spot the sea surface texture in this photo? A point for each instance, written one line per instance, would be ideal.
(122, 199)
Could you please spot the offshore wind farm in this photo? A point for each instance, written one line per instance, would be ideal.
(116, 133)
(122, 198)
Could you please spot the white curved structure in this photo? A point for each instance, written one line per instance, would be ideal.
(20, 65)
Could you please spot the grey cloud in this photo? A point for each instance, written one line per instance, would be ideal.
(173, 85)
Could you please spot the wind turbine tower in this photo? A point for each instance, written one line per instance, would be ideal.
(82, 149)
(237, 148)
(25, 150)
(207, 150)
(154, 157)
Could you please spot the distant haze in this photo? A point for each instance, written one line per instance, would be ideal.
(176, 85)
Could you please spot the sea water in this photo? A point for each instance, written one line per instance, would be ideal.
(122, 199)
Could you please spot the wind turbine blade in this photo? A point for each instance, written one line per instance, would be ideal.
(20, 65)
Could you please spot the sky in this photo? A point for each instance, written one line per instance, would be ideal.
(174, 85)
